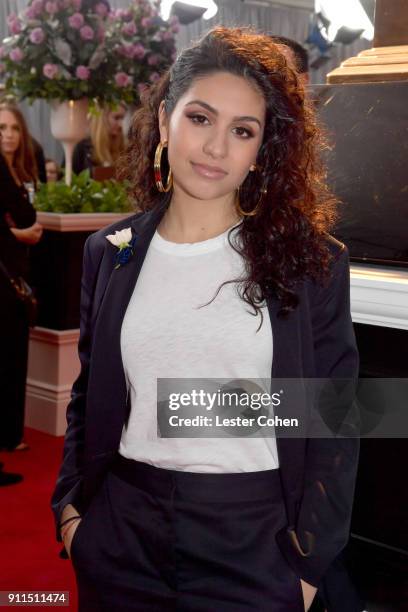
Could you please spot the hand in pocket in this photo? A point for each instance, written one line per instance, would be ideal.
(309, 592)
(69, 536)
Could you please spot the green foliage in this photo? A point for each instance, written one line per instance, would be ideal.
(85, 195)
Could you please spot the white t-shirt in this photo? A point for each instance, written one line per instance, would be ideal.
(165, 335)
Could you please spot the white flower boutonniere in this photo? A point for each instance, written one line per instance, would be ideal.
(125, 243)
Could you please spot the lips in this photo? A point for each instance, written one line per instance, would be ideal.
(211, 172)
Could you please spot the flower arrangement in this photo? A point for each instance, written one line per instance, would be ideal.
(84, 195)
(70, 49)
(57, 50)
(143, 46)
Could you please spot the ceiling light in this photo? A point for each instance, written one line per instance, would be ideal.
(206, 8)
(347, 20)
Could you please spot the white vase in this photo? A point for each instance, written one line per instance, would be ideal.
(69, 125)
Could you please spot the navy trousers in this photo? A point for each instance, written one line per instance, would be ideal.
(158, 540)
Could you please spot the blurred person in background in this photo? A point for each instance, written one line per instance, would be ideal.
(18, 230)
(297, 54)
(53, 171)
(7, 98)
(105, 144)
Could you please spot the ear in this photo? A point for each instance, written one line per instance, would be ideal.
(163, 123)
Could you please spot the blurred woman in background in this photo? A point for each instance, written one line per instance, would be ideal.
(105, 144)
(53, 171)
(18, 230)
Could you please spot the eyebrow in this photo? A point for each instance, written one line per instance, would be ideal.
(215, 112)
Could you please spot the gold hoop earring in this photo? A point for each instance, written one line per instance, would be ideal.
(157, 170)
(253, 212)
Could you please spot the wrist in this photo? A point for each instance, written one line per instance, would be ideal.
(67, 526)
(67, 512)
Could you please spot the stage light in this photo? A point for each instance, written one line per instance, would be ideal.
(347, 20)
(205, 8)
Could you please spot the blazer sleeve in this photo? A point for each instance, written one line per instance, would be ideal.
(324, 514)
(69, 481)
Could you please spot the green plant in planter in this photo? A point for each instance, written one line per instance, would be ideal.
(84, 195)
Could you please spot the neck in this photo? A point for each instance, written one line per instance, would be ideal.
(191, 220)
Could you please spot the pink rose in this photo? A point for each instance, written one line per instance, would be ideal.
(15, 27)
(122, 79)
(76, 4)
(76, 21)
(129, 29)
(101, 9)
(146, 22)
(87, 32)
(124, 14)
(126, 51)
(12, 17)
(155, 76)
(37, 36)
(153, 60)
(174, 20)
(51, 7)
(30, 13)
(83, 73)
(37, 7)
(139, 51)
(175, 29)
(16, 55)
(50, 71)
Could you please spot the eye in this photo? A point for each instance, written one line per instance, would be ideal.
(243, 132)
(197, 118)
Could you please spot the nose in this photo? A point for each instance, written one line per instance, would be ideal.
(216, 145)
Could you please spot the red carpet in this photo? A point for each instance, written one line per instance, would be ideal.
(29, 551)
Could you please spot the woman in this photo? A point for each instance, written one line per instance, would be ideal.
(105, 144)
(18, 230)
(153, 523)
(53, 171)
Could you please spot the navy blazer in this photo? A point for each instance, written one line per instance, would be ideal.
(316, 340)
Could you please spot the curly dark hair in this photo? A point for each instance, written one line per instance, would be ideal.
(287, 239)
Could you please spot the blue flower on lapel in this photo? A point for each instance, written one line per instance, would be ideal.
(123, 240)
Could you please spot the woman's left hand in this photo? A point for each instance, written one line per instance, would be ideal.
(29, 235)
(309, 592)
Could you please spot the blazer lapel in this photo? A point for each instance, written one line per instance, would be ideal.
(107, 382)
